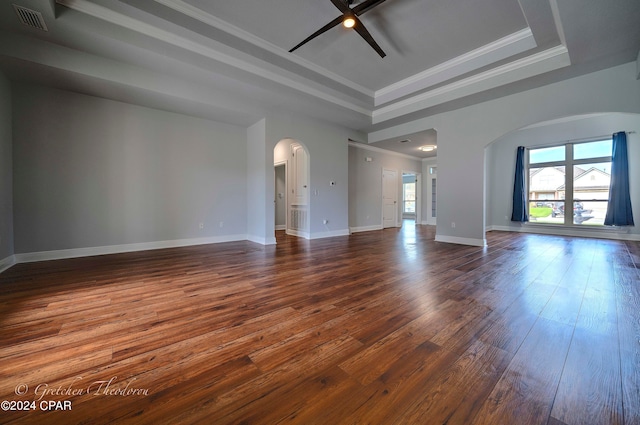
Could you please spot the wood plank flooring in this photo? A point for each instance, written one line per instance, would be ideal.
(382, 327)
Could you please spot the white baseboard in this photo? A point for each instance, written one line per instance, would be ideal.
(5, 263)
(298, 233)
(115, 249)
(281, 227)
(365, 228)
(600, 233)
(261, 241)
(461, 241)
(330, 234)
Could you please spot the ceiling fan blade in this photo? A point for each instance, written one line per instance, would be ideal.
(365, 6)
(341, 5)
(324, 29)
(360, 29)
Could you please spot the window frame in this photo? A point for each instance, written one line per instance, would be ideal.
(568, 163)
(404, 197)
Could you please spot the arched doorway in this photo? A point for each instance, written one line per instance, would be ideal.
(294, 202)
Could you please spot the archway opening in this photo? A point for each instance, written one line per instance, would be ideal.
(292, 197)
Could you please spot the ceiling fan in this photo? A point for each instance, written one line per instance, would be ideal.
(349, 19)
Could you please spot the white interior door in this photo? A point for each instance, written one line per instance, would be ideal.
(300, 185)
(298, 222)
(389, 198)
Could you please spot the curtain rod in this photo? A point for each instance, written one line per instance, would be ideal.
(596, 138)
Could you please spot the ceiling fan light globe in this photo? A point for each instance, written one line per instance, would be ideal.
(349, 22)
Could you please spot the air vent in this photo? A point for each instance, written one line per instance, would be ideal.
(30, 17)
(405, 141)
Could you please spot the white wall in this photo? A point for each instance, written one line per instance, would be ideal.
(365, 185)
(90, 172)
(463, 135)
(6, 175)
(501, 159)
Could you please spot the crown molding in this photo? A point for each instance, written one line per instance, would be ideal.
(138, 26)
(520, 41)
(384, 151)
(545, 61)
(556, 20)
(503, 48)
(213, 21)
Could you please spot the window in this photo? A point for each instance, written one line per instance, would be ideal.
(409, 197)
(573, 177)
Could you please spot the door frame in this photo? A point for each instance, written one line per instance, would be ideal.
(398, 189)
(285, 164)
(432, 174)
(418, 177)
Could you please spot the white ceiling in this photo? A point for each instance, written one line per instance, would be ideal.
(229, 60)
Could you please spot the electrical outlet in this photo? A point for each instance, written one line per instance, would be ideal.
(201, 226)
(221, 224)
(453, 224)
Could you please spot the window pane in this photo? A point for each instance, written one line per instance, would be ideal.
(591, 192)
(409, 197)
(546, 212)
(546, 195)
(592, 149)
(553, 154)
(546, 183)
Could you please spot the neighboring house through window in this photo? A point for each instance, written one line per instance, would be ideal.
(569, 183)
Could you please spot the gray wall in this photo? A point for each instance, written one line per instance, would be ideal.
(365, 185)
(258, 175)
(91, 172)
(501, 159)
(327, 146)
(6, 172)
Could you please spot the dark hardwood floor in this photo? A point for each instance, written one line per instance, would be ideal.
(382, 327)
